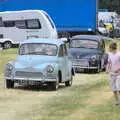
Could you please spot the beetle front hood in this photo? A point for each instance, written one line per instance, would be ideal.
(34, 60)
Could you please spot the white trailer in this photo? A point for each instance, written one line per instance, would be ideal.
(21, 25)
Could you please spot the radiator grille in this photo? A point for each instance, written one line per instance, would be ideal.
(28, 74)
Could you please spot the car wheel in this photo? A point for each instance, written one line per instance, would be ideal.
(9, 84)
(98, 69)
(55, 85)
(69, 83)
(7, 45)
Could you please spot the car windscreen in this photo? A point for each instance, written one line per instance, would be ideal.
(38, 49)
(90, 44)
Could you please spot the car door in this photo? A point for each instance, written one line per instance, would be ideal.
(67, 67)
(62, 61)
(102, 50)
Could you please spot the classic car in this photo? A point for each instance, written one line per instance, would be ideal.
(43, 61)
(88, 52)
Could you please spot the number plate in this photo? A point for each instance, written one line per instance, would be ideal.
(81, 63)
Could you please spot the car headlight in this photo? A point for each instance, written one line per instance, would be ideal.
(50, 69)
(94, 57)
(8, 70)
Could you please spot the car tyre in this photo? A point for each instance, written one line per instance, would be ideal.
(69, 83)
(98, 69)
(9, 84)
(7, 45)
(55, 85)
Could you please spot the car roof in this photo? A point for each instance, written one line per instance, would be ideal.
(43, 40)
(87, 37)
(21, 11)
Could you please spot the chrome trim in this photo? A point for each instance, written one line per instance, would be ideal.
(31, 79)
(28, 74)
(85, 67)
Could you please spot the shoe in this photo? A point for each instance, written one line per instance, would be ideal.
(117, 104)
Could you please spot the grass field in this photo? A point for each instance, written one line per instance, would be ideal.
(89, 98)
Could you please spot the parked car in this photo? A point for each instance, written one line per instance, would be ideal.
(43, 61)
(88, 52)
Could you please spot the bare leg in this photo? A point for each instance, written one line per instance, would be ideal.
(119, 96)
(116, 97)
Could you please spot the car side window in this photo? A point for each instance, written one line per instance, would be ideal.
(65, 50)
(61, 51)
(101, 46)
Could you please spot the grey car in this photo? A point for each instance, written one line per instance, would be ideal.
(87, 52)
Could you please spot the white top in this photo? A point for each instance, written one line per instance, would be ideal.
(114, 61)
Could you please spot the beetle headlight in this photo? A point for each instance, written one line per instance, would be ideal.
(8, 70)
(50, 69)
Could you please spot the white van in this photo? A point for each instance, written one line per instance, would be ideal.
(21, 25)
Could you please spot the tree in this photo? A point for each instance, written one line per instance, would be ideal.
(111, 5)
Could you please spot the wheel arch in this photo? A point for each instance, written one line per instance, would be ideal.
(73, 71)
(60, 75)
(3, 44)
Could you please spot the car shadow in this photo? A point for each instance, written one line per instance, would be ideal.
(88, 72)
(38, 88)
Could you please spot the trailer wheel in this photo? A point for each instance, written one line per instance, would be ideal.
(7, 45)
(9, 84)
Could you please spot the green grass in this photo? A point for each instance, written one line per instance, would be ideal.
(64, 105)
(5, 56)
(89, 98)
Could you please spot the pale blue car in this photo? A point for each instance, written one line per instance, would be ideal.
(40, 61)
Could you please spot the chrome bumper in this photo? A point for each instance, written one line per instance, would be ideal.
(82, 64)
(31, 79)
(86, 67)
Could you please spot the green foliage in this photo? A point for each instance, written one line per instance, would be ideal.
(5, 56)
(109, 4)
